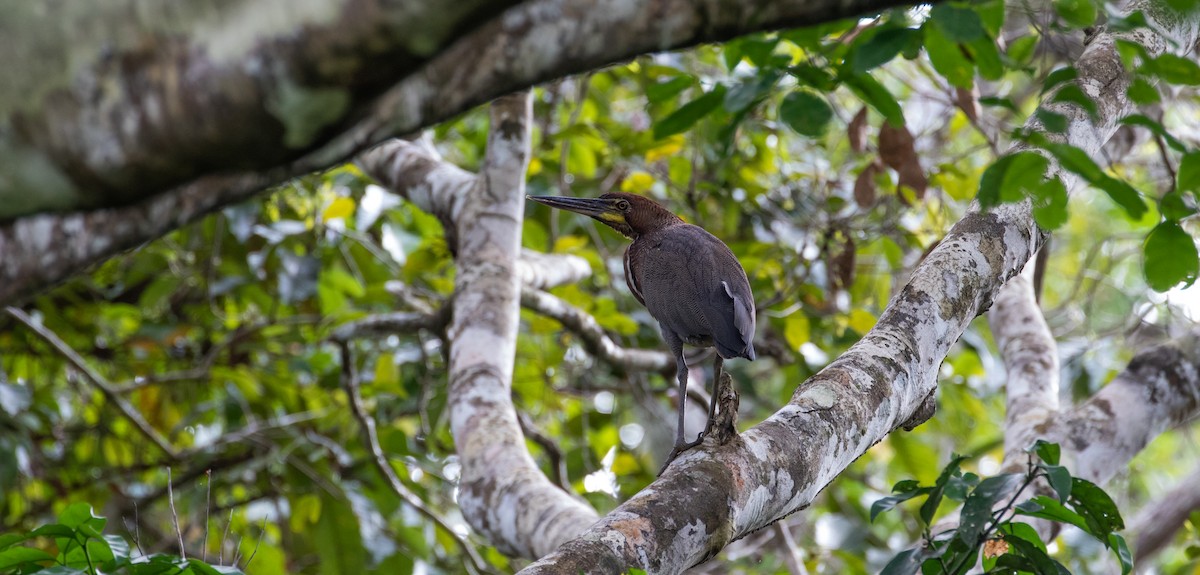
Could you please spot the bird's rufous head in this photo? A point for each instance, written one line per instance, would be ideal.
(630, 214)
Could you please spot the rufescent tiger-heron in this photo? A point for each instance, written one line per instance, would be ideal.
(688, 280)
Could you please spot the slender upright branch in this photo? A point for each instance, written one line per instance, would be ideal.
(98, 381)
(350, 384)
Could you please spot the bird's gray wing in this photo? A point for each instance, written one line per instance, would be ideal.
(694, 286)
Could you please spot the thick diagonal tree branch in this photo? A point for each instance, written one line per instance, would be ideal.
(715, 494)
(189, 125)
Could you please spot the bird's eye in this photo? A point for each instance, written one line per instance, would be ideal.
(622, 205)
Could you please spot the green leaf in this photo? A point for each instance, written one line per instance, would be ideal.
(880, 48)
(814, 77)
(1174, 69)
(1048, 508)
(1052, 121)
(1050, 204)
(1073, 94)
(1011, 178)
(1077, 13)
(750, 91)
(337, 539)
(806, 112)
(959, 24)
(79, 514)
(1124, 195)
(1020, 51)
(53, 530)
(947, 57)
(890, 502)
(1121, 549)
(1076, 160)
(977, 510)
(1023, 531)
(1046, 451)
(18, 556)
(1040, 562)
(662, 91)
(875, 95)
(906, 562)
(1096, 507)
(1058, 77)
(1142, 92)
(1060, 480)
(1187, 177)
(1173, 207)
(9, 539)
(986, 56)
(688, 114)
(1156, 128)
(929, 508)
(1170, 257)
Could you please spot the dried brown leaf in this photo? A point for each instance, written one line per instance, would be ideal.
(857, 131)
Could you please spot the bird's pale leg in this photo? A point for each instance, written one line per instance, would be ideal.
(718, 365)
(681, 368)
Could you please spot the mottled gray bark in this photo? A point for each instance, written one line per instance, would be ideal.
(504, 494)
(714, 494)
(116, 104)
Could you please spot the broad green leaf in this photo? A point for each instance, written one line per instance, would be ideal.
(1049, 508)
(977, 509)
(662, 91)
(1174, 69)
(1046, 451)
(958, 23)
(690, 113)
(1020, 50)
(890, 502)
(1060, 480)
(1040, 562)
(875, 95)
(1173, 207)
(930, 507)
(1187, 177)
(1072, 93)
(796, 330)
(806, 112)
(337, 539)
(1096, 507)
(906, 562)
(9, 539)
(986, 55)
(1121, 549)
(1142, 92)
(17, 556)
(1050, 204)
(1077, 13)
(1170, 257)
(752, 90)
(947, 57)
(1052, 121)
(1011, 178)
(1023, 531)
(1059, 76)
(80, 514)
(880, 48)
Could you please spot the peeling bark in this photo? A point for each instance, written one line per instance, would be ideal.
(714, 494)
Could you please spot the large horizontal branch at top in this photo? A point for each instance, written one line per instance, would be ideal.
(188, 127)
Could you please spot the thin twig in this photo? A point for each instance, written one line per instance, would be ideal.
(558, 466)
(175, 516)
(207, 508)
(225, 538)
(350, 384)
(96, 380)
(262, 531)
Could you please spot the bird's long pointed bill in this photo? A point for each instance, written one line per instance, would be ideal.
(586, 206)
